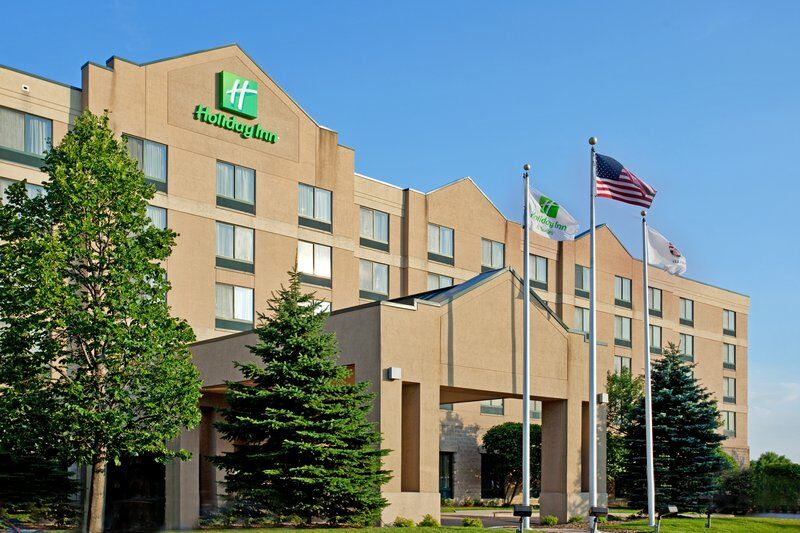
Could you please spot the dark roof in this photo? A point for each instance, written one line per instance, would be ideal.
(445, 294)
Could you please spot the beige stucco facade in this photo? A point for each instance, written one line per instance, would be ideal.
(156, 101)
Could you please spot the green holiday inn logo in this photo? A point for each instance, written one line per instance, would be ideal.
(548, 206)
(237, 94)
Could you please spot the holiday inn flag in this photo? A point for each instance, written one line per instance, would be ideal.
(549, 219)
(663, 254)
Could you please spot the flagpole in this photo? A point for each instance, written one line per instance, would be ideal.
(526, 358)
(648, 399)
(592, 336)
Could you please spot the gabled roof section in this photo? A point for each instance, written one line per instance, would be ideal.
(111, 59)
(607, 227)
(472, 182)
(447, 294)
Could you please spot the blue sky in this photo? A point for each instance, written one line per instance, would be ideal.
(698, 99)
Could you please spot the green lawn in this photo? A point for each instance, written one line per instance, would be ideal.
(718, 525)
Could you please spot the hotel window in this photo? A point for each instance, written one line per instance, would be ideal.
(728, 322)
(446, 406)
(729, 356)
(729, 423)
(314, 263)
(582, 281)
(538, 271)
(314, 207)
(437, 281)
(24, 138)
(235, 247)
(654, 297)
(581, 320)
(687, 312)
(622, 363)
(373, 280)
(687, 347)
(151, 159)
(729, 390)
(622, 331)
(236, 187)
(492, 255)
(157, 216)
(374, 231)
(655, 339)
(234, 307)
(536, 410)
(32, 190)
(440, 244)
(492, 407)
(622, 292)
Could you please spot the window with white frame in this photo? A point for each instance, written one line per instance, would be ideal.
(538, 270)
(622, 291)
(621, 363)
(729, 423)
(440, 241)
(729, 390)
(686, 312)
(622, 331)
(24, 132)
(438, 281)
(582, 282)
(729, 355)
(157, 216)
(235, 183)
(374, 225)
(492, 407)
(536, 409)
(314, 259)
(314, 205)
(655, 338)
(728, 322)
(581, 322)
(150, 157)
(686, 346)
(234, 243)
(373, 278)
(654, 297)
(234, 305)
(492, 254)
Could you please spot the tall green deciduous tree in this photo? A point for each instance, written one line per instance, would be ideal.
(686, 441)
(624, 393)
(93, 366)
(503, 452)
(304, 444)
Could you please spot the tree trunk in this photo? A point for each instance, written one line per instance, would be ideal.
(98, 495)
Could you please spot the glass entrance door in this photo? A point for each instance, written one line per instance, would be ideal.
(446, 474)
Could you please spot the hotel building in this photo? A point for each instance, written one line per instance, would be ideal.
(254, 186)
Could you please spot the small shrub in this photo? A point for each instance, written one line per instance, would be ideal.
(469, 502)
(429, 521)
(602, 519)
(448, 502)
(576, 519)
(471, 522)
(402, 521)
(614, 518)
(549, 520)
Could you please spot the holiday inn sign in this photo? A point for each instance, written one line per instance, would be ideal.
(237, 95)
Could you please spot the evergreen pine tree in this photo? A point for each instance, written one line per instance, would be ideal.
(685, 420)
(304, 444)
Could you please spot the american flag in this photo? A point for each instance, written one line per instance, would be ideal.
(618, 183)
